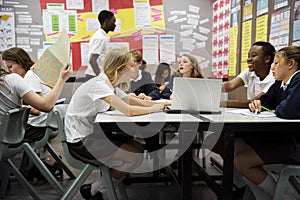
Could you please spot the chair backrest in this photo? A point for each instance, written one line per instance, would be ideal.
(59, 112)
(12, 127)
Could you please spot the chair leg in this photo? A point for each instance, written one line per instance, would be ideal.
(22, 180)
(122, 190)
(72, 190)
(59, 160)
(5, 171)
(43, 169)
(111, 192)
(280, 187)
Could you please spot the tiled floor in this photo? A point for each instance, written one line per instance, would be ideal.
(136, 191)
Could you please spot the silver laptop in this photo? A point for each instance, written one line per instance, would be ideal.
(196, 95)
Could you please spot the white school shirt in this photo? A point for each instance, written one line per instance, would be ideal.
(85, 104)
(254, 85)
(12, 88)
(38, 86)
(97, 45)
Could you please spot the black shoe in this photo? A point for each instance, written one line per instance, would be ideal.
(238, 193)
(85, 191)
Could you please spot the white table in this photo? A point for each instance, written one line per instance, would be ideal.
(231, 124)
(148, 125)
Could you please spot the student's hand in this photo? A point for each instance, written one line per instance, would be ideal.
(162, 87)
(66, 72)
(157, 108)
(132, 94)
(171, 96)
(144, 96)
(255, 106)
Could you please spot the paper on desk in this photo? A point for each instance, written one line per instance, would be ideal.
(247, 112)
(54, 58)
(114, 112)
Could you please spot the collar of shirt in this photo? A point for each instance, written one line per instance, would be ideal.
(267, 78)
(284, 85)
(139, 77)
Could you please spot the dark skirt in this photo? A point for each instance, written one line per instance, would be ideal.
(275, 148)
(97, 149)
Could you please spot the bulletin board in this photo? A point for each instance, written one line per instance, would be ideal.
(124, 12)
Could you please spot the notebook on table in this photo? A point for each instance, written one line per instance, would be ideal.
(196, 96)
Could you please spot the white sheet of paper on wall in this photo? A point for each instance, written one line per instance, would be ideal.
(194, 9)
(188, 47)
(187, 26)
(204, 30)
(180, 20)
(200, 37)
(193, 21)
(204, 64)
(172, 18)
(203, 21)
(193, 16)
(178, 12)
(186, 33)
(201, 45)
(188, 40)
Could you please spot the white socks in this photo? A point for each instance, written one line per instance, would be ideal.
(99, 185)
(258, 192)
(268, 185)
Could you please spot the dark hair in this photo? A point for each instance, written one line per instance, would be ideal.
(143, 66)
(2, 74)
(291, 53)
(18, 55)
(159, 71)
(268, 50)
(104, 15)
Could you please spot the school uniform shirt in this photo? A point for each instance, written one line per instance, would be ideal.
(284, 99)
(97, 45)
(253, 83)
(38, 86)
(86, 102)
(144, 84)
(283, 147)
(12, 88)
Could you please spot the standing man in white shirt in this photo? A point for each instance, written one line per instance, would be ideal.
(98, 45)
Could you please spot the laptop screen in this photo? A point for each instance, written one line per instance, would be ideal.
(196, 94)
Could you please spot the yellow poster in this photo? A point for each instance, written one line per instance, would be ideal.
(54, 58)
(233, 51)
(248, 12)
(262, 29)
(246, 43)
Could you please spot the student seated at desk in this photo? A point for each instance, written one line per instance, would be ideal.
(18, 61)
(258, 77)
(283, 97)
(162, 76)
(188, 67)
(142, 85)
(14, 89)
(84, 138)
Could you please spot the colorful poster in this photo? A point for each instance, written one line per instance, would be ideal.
(262, 7)
(296, 30)
(233, 51)
(248, 12)
(246, 43)
(54, 58)
(262, 28)
(279, 32)
(220, 46)
(7, 28)
(280, 4)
